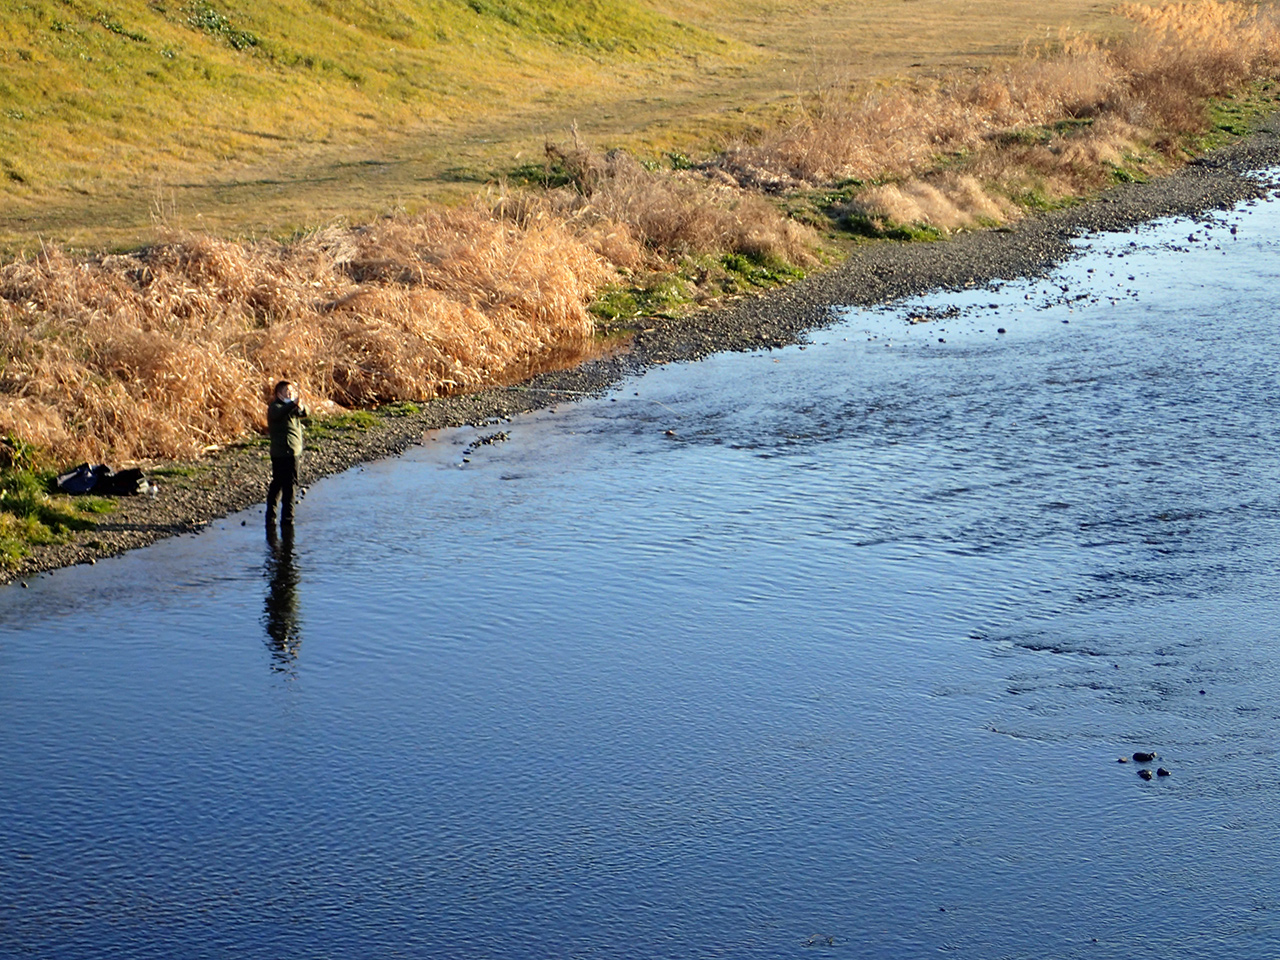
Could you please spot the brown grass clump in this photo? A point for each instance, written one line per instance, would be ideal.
(164, 352)
(616, 202)
(948, 202)
(1054, 123)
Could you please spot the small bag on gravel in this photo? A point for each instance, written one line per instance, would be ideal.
(126, 483)
(83, 479)
(100, 479)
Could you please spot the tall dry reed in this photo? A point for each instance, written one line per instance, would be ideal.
(164, 352)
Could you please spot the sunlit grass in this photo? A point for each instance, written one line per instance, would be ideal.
(90, 95)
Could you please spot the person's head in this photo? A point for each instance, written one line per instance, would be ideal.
(286, 391)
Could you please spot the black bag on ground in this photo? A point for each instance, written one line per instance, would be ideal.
(100, 479)
(126, 483)
(83, 479)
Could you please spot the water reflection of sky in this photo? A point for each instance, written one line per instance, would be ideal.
(843, 664)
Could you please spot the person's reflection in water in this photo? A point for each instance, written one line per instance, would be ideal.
(280, 615)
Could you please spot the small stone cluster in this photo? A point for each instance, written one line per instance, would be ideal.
(1143, 757)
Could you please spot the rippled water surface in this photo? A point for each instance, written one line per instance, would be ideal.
(843, 666)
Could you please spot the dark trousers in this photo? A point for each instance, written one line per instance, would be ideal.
(284, 481)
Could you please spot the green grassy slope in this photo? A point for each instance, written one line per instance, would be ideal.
(91, 89)
(252, 117)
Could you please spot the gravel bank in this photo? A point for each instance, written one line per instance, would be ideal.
(235, 478)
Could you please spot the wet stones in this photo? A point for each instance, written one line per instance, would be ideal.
(935, 313)
(485, 441)
(1145, 757)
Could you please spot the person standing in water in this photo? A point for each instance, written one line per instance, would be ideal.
(285, 414)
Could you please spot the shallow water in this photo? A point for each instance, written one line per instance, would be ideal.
(844, 664)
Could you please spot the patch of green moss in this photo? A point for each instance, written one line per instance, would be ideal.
(550, 174)
(615, 302)
(404, 409)
(323, 428)
(95, 505)
(1230, 118)
(651, 295)
(1039, 199)
(760, 271)
(204, 17)
(875, 228)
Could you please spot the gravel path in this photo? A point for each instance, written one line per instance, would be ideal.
(237, 477)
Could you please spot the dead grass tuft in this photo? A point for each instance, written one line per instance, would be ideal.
(948, 202)
(633, 215)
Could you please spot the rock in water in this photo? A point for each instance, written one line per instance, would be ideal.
(1145, 774)
(1162, 772)
(1141, 757)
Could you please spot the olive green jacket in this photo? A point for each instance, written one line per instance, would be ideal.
(284, 423)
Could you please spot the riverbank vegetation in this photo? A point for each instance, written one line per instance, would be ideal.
(1054, 125)
(167, 351)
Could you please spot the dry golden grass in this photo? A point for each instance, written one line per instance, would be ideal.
(949, 153)
(167, 351)
(619, 203)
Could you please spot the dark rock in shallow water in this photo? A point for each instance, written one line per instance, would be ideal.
(1162, 772)
(1140, 757)
(1145, 774)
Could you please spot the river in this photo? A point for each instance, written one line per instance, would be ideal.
(825, 650)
